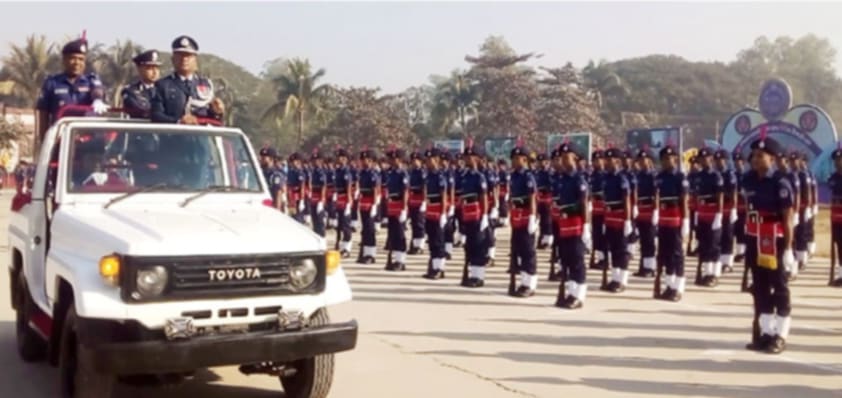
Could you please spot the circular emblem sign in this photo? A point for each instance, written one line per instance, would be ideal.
(775, 99)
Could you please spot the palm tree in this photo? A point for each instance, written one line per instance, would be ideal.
(602, 82)
(456, 100)
(298, 95)
(29, 65)
(115, 67)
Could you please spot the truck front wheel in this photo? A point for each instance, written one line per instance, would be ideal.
(313, 376)
(77, 375)
(31, 346)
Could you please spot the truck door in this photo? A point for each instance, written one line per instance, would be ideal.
(43, 205)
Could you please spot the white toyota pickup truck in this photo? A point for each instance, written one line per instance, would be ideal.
(152, 249)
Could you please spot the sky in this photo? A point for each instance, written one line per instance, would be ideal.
(395, 45)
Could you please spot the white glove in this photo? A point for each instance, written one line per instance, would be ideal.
(717, 222)
(308, 220)
(655, 217)
(635, 212)
(495, 214)
(586, 235)
(99, 107)
(347, 210)
(696, 218)
(532, 226)
(451, 211)
(789, 259)
(333, 197)
(685, 228)
(483, 225)
(356, 194)
(402, 216)
(320, 207)
(627, 228)
(816, 210)
(733, 216)
(590, 207)
(423, 206)
(300, 206)
(373, 211)
(443, 220)
(795, 219)
(506, 197)
(808, 213)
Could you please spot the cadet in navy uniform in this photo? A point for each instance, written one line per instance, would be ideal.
(448, 169)
(397, 186)
(813, 196)
(729, 210)
(417, 205)
(474, 218)
(740, 225)
(708, 196)
(835, 185)
(184, 96)
(275, 178)
(503, 180)
(296, 178)
(493, 209)
(330, 192)
(137, 97)
(318, 193)
(618, 215)
(71, 87)
(789, 173)
(344, 194)
(597, 209)
(647, 216)
(435, 194)
(805, 209)
(572, 221)
(671, 193)
(545, 198)
(369, 185)
(523, 212)
(768, 251)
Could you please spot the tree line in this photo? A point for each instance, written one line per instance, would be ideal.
(497, 94)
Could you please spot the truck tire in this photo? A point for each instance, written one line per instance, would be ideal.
(31, 347)
(77, 375)
(313, 376)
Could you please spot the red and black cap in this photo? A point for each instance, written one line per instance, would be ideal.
(721, 154)
(185, 44)
(147, 58)
(268, 151)
(668, 150)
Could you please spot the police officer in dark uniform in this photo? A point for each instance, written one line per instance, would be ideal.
(545, 198)
(295, 188)
(330, 192)
(572, 222)
(474, 218)
(369, 185)
(768, 251)
(449, 169)
(397, 185)
(435, 195)
(789, 173)
(503, 180)
(801, 233)
(183, 96)
(740, 225)
(524, 221)
(491, 178)
(344, 194)
(671, 193)
(318, 192)
(274, 177)
(708, 196)
(137, 97)
(71, 87)
(417, 205)
(647, 217)
(729, 210)
(597, 209)
(618, 215)
(835, 185)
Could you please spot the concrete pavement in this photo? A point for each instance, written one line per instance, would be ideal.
(423, 338)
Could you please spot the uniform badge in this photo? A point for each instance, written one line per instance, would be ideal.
(184, 42)
(204, 91)
(783, 193)
(83, 48)
(62, 90)
(276, 180)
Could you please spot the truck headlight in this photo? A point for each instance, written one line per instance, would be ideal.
(150, 282)
(303, 273)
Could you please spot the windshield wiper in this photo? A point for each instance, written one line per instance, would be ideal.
(150, 188)
(212, 189)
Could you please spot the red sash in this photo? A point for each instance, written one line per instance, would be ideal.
(727, 205)
(394, 208)
(341, 201)
(669, 216)
(707, 211)
(366, 201)
(471, 212)
(415, 199)
(519, 217)
(316, 195)
(836, 213)
(741, 204)
(569, 226)
(597, 207)
(503, 189)
(645, 212)
(293, 194)
(615, 219)
(545, 197)
(434, 211)
(760, 224)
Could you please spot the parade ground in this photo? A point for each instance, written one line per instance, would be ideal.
(421, 338)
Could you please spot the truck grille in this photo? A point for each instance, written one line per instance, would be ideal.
(222, 276)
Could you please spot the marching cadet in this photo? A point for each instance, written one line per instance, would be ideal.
(184, 96)
(447, 168)
(671, 192)
(503, 180)
(330, 192)
(275, 177)
(417, 205)
(296, 180)
(789, 173)
(647, 217)
(708, 196)
(572, 221)
(523, 210)
(473, 219)
(729, 210)
(487, 168)
(384, 194)
(545, 198)
(740, 225)
(807, 204)
(618, 215)
(137, 97)
(835, 185)
(318, 192)
(597, 209)
(459, 170)
(435, 194)
(803, 164)
(397, 186)
(556, 273)
(369, 185)
(628, 167)
(355, 194)
(769, 246)
(344, 194)
(692, 176)
(71, 87)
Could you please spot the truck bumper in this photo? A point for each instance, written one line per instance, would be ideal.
(162, 356)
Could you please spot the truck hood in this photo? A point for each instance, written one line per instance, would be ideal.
(173, 230)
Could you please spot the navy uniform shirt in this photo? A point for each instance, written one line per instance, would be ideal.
(615, 189)
(416, 179)
(708, 184)
(318, 179)
(631, 177)
(670, 185)
(171, 98)
(436, 185)
(369, 179)
(492, 178)
(542, 180)
(794, 182)
(397, 183)
(503, 178)
(834, 182)
(342, 179)
(729, 183)
(472, 184)
(569, 189)
(276, 180)
(137, 99)
(805, 181)
(295, 179)
(596, 181)
(771, 193)
(58, 91)
(521, 187)
(645, 186)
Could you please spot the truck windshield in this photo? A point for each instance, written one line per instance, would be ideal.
(105, 160)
